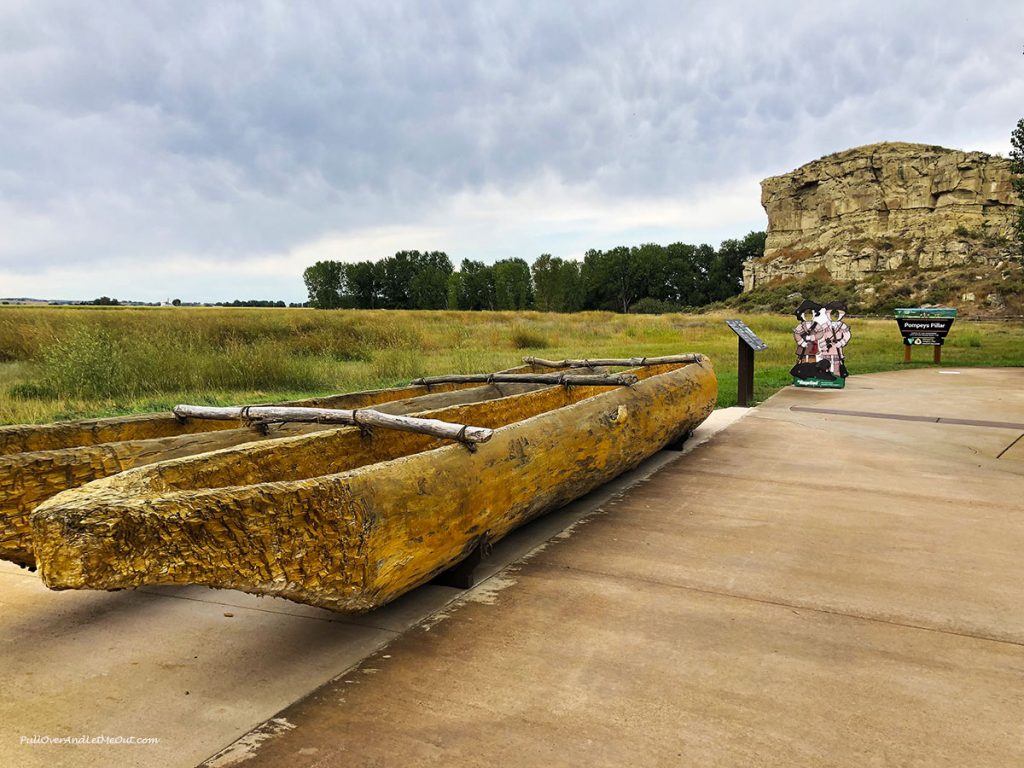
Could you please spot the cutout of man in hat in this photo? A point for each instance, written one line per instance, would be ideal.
(835, 337)
(806, 331)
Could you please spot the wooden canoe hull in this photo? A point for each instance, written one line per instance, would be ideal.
(43, 460)
(356, 539)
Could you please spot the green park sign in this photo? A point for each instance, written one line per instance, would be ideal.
(925, 326)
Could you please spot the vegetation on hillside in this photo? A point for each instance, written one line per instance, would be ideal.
(1017, 169)
(978, 290)
(645, 278)
(61, 363)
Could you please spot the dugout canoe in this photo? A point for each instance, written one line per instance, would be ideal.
(349, 522)
(38, 461)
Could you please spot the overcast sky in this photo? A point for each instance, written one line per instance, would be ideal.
(212, 150)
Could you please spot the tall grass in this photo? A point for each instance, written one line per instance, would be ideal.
(75, 362)
(91, 361)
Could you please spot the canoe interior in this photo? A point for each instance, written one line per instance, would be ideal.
(22, 438)
(95, 449)
(342, 449)
(348, 521)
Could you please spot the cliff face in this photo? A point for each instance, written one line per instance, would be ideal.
(885, 206)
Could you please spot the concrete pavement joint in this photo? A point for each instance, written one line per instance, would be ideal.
(780, 604)
(1010, 445)
(884, 493)
(948, 420)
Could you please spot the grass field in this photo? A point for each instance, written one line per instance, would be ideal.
(64, 363)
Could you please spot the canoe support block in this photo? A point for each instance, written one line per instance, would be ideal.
(678, 443)
(462, 574)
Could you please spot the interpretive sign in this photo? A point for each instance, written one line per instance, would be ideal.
(925, 326)
(749, 343)
(748, 336)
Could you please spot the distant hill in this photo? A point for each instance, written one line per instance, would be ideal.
(28, 300)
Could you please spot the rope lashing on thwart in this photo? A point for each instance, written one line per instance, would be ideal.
(461, 437)
(364, 428)
(260, 425)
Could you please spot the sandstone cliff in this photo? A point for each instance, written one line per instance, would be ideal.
(882, 207)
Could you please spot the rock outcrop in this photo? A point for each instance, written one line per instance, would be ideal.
(882, 207)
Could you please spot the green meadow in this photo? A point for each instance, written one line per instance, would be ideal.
(60, 363)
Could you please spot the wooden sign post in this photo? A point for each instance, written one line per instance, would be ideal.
(924, 326)
(749, 343)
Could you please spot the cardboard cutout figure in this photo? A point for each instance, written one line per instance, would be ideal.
(806, 332)
(837, 336)
(821, 336)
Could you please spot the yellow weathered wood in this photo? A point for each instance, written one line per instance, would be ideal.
(338, 520)
(79, 452)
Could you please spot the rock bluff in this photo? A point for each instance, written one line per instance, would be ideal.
(885, 206)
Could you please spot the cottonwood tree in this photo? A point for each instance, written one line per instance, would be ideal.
(557, 284)
(428, 285)
(544, 282)
(324, 283)
(725, 277)
(364, 282)
(474, 287)
(414, 280)
(613, 278)
(512, 288)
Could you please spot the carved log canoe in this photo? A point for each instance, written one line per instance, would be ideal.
(347, 521)
(41, 460)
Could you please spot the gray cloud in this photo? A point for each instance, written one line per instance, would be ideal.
(148, 132)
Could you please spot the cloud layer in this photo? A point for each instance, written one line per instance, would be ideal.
(211, 150)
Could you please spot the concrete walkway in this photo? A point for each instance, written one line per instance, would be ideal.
(807, 589)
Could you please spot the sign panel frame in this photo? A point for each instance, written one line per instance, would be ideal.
(750, 338)
(925, 326)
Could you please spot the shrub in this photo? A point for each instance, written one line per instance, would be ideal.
(28, 390)
(649, 306)
(523, 338)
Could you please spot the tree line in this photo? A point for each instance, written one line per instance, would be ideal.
(644, 278)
